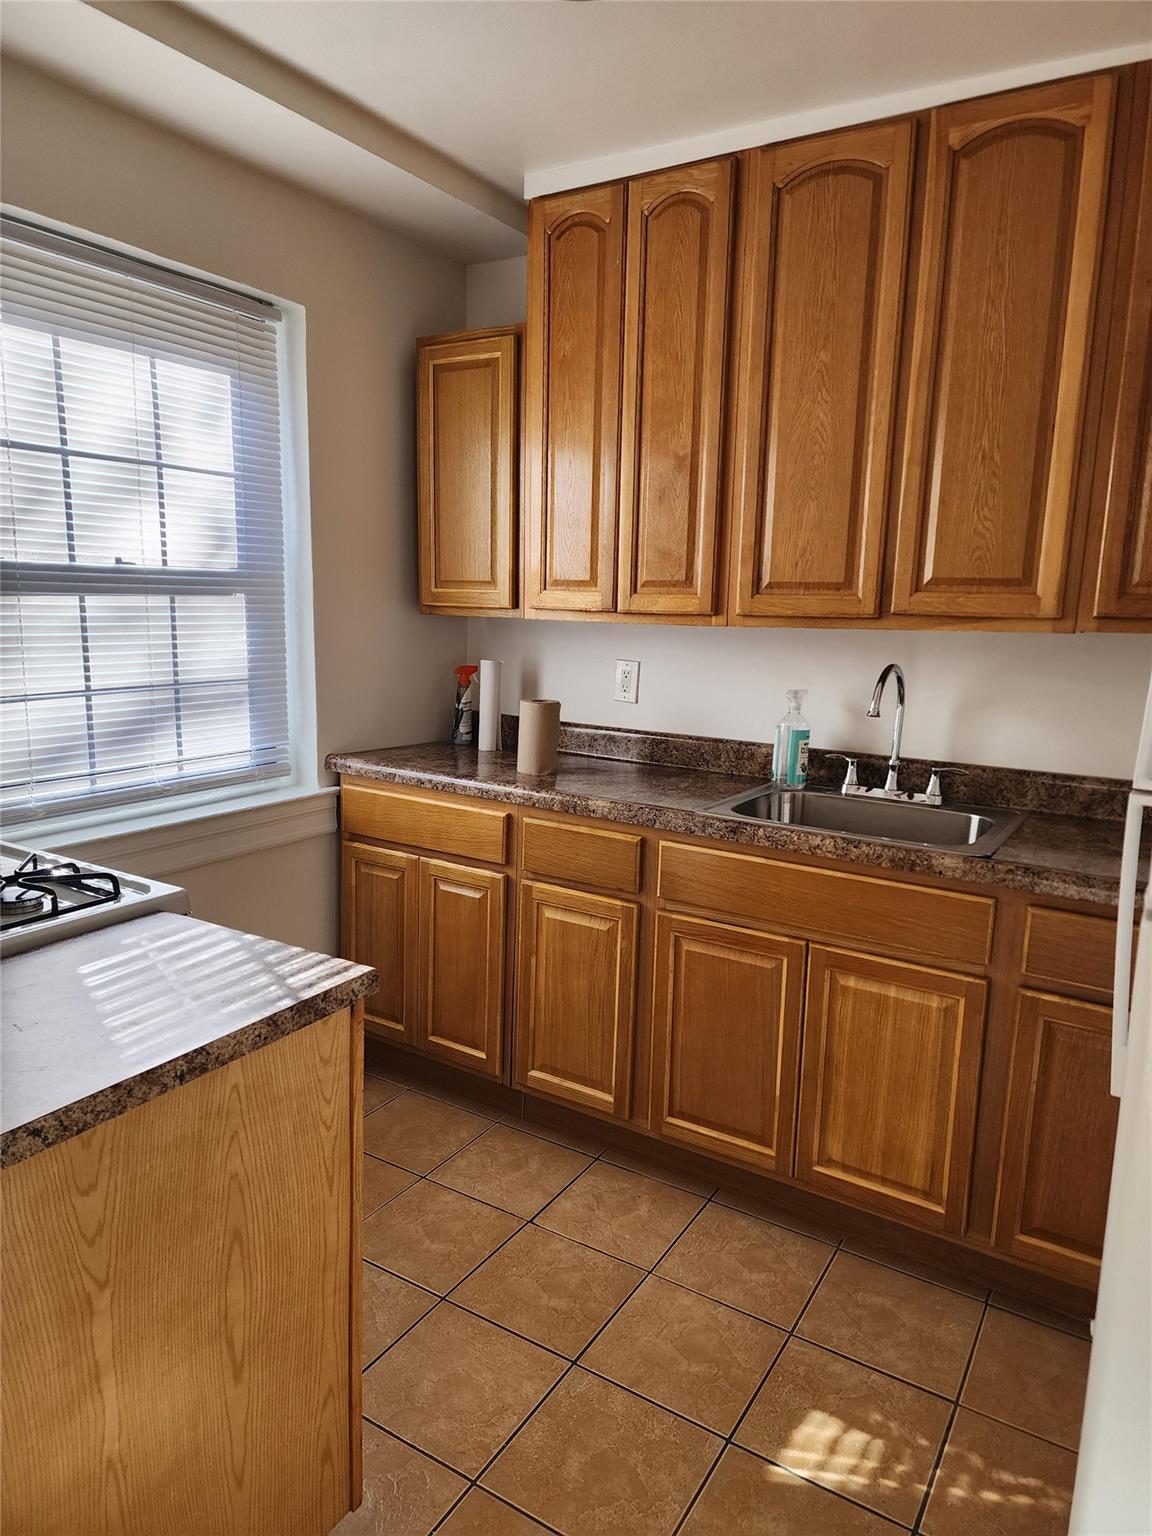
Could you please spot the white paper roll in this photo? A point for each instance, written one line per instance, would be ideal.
(490, 705)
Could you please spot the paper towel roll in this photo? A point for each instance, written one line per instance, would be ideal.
(490, 705)
(539, 736)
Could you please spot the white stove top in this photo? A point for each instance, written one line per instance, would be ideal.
(50, 896)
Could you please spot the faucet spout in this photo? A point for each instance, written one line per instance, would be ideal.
(892, 669)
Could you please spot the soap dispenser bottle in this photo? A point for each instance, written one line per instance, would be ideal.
(790, 752)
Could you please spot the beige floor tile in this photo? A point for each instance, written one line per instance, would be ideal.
(480, 1514)
(404, 1493)
(379, 1090)
(686, 1352)
(1079, 1326)
(390, 1306)
(937, 1276)
(519, 1173)
(894, 1322)
(621, 1213)
(768, 1210)
(637, 1162)
(548, 1288)
(747, 1497)
(1029, 1376)
(997, 1481)
(457, 1386)
(382, 1182)
(434, 1236)
(748, 1263)
(597, 1461)
(416, 1132)
(848, 1428)
(579, 1141)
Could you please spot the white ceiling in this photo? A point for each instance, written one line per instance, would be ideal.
(513, 88)
(524, 96)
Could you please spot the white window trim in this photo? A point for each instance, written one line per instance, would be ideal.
(237, 819)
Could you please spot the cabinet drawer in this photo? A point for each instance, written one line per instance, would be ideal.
(824, 903)
(1069, 949)
(561, 850)
(470, 831)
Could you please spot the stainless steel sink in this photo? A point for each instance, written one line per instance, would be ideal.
(973, 830)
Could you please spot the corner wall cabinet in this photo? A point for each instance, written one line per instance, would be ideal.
(895, 376)
(929, 1052)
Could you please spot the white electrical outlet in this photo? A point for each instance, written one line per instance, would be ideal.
(627, 682)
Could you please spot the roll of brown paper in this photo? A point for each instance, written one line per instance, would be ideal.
(539, 738)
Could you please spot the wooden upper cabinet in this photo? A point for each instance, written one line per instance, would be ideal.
(1059, 1137)
(1118, 576)
(379, 915)
(822, 273)
(726, 1020)
(1012, 219)
(675, 325)
(575, 998)
(572, 403)
(462, 965)
(889, 1087)
(468, 407)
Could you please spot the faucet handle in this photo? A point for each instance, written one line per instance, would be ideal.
(851, 783)
(933, 795)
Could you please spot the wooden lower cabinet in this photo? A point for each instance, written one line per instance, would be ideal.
(379, 920)
(726, 1017)
(889, 1085)
(1059, 1135)
(576, 996)
(461, 1014)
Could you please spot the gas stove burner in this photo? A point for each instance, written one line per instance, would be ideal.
(17, 900)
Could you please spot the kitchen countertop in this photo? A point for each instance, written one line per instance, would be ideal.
(1069, 857)
(95, 1025)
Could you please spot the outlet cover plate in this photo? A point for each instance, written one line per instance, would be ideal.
(627, 682)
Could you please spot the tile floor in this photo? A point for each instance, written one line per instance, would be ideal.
(564, 1337)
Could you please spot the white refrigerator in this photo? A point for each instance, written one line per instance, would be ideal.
(1113, 1495)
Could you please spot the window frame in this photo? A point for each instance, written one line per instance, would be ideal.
(121, 810)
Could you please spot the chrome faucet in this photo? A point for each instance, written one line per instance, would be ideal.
(890, 786)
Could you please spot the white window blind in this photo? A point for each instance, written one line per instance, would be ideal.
(142, 541)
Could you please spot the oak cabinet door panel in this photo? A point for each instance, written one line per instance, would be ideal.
(379, 919)
(1012, 221)
(677, 269)
(467, 406)
(576, 996)
(462, 965)
(727, 1040)
(572, 411)
(1060, 1131)
(822, 280)
(889, 1085)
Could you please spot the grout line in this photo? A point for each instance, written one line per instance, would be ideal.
(980, 1413)
(930, 1481)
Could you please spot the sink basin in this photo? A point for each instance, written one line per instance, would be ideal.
(966, 829)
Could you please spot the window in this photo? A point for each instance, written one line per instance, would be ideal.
(142, 540)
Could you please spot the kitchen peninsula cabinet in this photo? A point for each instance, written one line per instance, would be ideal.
(821, 292)
(1013, 214)
(468, 409)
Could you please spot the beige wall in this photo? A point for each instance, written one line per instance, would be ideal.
(383, 672)
(1066, 703)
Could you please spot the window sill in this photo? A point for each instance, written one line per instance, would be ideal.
(163, 842)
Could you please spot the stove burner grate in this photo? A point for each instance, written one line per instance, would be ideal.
(31, 893)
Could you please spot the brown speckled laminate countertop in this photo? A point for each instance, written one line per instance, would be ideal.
(1068, 857)
(94, 1025)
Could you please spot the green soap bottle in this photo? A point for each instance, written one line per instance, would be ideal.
(790, 752)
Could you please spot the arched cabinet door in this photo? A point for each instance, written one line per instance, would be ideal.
(675, 327)
(572, 401)
(822, 281)
(1012, 218)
